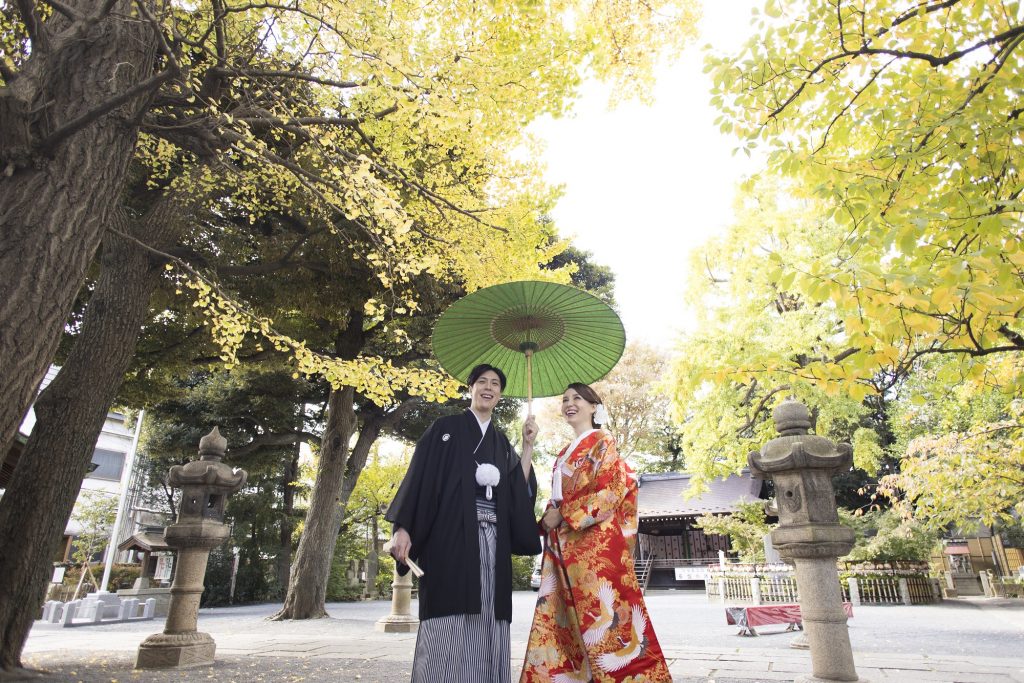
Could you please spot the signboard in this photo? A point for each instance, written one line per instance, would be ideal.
(58, 575)
(691, 573)
(164, 566)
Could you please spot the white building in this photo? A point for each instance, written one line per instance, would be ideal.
(112, 448)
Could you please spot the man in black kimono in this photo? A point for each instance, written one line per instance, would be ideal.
(464, 508)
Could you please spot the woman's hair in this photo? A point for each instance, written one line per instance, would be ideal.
(475, 373)
(589, 395)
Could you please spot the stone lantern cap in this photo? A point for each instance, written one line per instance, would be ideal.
(795, 448)
(209, 472)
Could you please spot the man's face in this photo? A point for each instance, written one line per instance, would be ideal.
(485, 392)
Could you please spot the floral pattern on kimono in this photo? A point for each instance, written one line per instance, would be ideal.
(591, 622)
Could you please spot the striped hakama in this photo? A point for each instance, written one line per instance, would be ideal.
(468, 648)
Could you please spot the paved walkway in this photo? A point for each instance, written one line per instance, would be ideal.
(964, 640)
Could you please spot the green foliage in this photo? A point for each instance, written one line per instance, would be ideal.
(903, 120)
(874, 258)
(1013, 534)
(383, 135)
(522, 568)
(385, 576)
(349, 547)
(757, 343)
(963, 450)
(884, 536)
(252, 579)
(217, 582)
(261, 411)
(746, 529)
(121, 575)
(586, 274)
(95, 511)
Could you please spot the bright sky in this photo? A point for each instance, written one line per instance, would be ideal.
(645, 185)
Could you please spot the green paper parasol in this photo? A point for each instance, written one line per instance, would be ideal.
(542, 335)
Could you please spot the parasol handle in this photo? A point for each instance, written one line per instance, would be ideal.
(529, 382)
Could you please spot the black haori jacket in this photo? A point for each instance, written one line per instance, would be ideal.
(436, 504)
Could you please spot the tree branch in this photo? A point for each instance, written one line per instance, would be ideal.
(260, 115)
(269, 440)
(33, 26)
(917, 12)
(272, 266)
(1012, 335)
(933, 60)
(282, 73)
(219, 12)
(50, 142)
(102, 12)
(164, 350)
(752, 416)
(61, 8)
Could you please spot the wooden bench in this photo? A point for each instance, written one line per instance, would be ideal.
(747, 617)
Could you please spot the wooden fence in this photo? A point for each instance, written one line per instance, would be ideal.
(740, 589)
(893, 589)
(1008, 588)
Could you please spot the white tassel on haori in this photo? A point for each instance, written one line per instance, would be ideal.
(487, 475)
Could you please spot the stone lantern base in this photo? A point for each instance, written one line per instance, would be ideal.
(397, 623)
(176, 651)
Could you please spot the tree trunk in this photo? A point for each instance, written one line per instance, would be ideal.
(372, 561)
(70, 414)
(307, 585)
(371, 430)
(284, 554)
(57, 196)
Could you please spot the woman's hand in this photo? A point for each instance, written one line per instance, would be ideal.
(552, 519)
(401, 543)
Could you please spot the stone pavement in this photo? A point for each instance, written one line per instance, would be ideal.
(965, 640)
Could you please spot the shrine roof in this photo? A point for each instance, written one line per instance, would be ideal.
(146, 541)
(661, 495)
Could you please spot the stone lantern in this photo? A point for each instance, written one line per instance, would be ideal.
(809, 535)
(205, 485)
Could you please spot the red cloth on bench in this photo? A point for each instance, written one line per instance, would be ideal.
(759, 615)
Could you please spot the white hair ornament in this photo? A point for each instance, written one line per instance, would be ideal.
(601, 415)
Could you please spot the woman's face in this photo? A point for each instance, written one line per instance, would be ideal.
(485, 392)
(577, 410)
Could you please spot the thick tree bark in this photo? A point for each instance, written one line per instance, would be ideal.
(70, 413)
(371, 430)
(372, 562)
(284, 554)
(56, 195)
(307, 585)
(336, 477)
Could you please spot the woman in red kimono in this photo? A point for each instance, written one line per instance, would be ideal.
(591, 623)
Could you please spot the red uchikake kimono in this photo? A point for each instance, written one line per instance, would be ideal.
(591, 622)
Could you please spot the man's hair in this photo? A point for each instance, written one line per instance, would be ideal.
(475, 373)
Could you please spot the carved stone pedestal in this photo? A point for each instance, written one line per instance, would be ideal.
(176, 651)
(401, 619)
